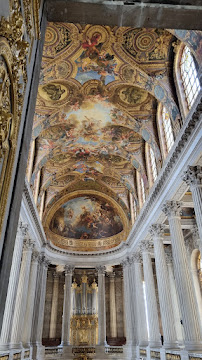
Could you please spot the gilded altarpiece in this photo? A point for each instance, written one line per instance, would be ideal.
(84, 320)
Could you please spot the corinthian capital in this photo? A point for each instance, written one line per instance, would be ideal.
(146, 246)
(157, 230)
(28, 244)
(172, 208)
(101, 269)
(137, 257)
(69, 269)
(193, 175)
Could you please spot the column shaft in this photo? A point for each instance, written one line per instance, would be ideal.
(21, 298)
(67, 306)
(154, 333)
(140, 304)
(30, 301)
(127, 304)
(54, 307)
(167, 317)
(183, 278)
(113, 327)
(11, 293)
(101, 306)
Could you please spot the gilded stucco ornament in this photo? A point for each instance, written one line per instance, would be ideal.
(13, 79)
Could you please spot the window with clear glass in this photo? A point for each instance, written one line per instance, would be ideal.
(153, 164)
(167, 127)
(189, 77)
(142, 190)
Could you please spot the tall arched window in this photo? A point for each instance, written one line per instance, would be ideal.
(167, 129)
(153, 164)
(142, 190)
(189, 76)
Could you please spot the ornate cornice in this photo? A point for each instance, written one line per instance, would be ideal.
(30, 201)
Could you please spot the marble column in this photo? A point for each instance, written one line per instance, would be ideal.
(94, 297)
(30, 300)
(21, 297)
(54, 306)
(183, 278)
(101, 306)
(174, 298)
(140, 302)
(167, 317)
(193, 178)
(74, 307)
(194, 270)
(67, 306)
(127, 303)
(152, 310)
(12, 287)
(112, 305)
(39, 302)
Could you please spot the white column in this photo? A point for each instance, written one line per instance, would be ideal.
(74, 287)
(54, 306)
(112, 305)
(12, 288)
(140, 303)
(193, 178)
(152, 310)
(127, 303)
(175, 299)
(194, 270)
(167, 317)
(21, 298)
(94, 297)
(39, 302)
(30, 300)
(45, 265)
(67, 306)
(101, 306)
(183, 278)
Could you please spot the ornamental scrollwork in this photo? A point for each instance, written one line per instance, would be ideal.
(15, 43)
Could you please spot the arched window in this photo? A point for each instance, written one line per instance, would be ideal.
(142, 190)
(189, 76)
(167, 129)
(153, 164)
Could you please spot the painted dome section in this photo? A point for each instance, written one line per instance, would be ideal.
(86, 217)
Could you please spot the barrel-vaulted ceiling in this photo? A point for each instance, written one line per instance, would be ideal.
(96, 110)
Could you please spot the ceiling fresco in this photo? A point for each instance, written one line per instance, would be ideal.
(96, 110)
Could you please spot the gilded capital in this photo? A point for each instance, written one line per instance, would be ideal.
(193, 176)
(172, 209)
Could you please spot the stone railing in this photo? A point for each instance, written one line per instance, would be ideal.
(83, 350)
(113, 350)
(53, 350)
